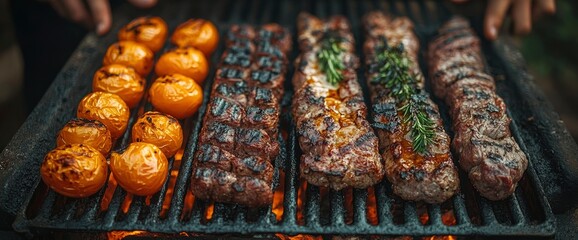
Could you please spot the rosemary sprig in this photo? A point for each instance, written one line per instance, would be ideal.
(395, 75)
(330, 58)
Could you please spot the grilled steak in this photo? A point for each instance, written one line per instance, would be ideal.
(430, 176)
(483, 141)
(339, 147)
(239, 136)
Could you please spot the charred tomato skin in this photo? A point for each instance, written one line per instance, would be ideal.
(159, 129)
(176, 95)
(141, 169)
(151, 31)
(88, 132)
(186, 61)
(198, 33)
(131, 54)
(107, 108)
(120, 80)
(74, 170)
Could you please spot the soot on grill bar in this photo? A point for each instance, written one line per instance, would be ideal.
(350, 119)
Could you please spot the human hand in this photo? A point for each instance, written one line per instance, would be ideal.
(523, 12)
(92, 13)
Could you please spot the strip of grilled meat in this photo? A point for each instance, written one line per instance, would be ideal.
(483, 141)
(430, 176)
(239, 136)
(339, 147)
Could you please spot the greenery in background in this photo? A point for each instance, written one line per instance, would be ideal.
(552, 48)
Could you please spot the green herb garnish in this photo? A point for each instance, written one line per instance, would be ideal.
(330, 58)
(395, 74)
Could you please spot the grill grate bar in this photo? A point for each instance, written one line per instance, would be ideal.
(517, 213)
(359, 206)
(383, 205)
(487, 212)
(322, 213)
(338, 212)
(410, 214)
(291, 179)
(435, 215)
(312, 208)
(460, 210)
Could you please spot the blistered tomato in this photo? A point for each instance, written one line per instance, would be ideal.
(141, 169)
(160, 129)
(198, 33)
(186, 61)
(120, 80)
(88, 132)
(74, 170)
(130, 54)
(107, 108)
(150, 31)
(176, 95)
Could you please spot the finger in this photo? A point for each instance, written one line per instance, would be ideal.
(522, 15)
(76, 11)
(59, 8)
(143, 3)
(542, 7)
(100, 10)
(495, 12)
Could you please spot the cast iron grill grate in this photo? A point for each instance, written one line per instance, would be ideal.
(309, 210)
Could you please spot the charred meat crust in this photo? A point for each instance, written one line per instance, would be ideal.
(238, 139)
(339, 147)
(483, 141)
(430, 177)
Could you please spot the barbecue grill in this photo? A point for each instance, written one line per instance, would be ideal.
(549, 183)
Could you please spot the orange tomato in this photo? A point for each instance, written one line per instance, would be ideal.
(120, 80)
(74, 170)
(176, 95)
(150, 31)
(141, 169)
(130, 54)
(186, 61)
(107, 108)
(88, 132)
(198, 33)
(162, 130)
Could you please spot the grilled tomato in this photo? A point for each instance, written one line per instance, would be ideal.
(120, 80)
(74, 170)
(130, 54)
(176, 95)
(141, 169)
(107, 108)
(187, 61)
(88, 132)
(198, 33)
(150, 31)
(162, 130)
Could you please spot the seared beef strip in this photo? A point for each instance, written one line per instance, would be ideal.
(339, 147)
(239, 136)
(430, 176)
(483, 141)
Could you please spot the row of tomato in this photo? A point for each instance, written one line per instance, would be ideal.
(78, 166)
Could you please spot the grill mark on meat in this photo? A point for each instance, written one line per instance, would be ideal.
(339, 147)
(431, 177)
(487, 151)
(238, 139)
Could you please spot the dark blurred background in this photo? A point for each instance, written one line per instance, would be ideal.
(551, 51)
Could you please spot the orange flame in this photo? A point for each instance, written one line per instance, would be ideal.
(371, 206)
(278, 197)
(448, 219)
(298, 237)
(300, 201)
(209, 211)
